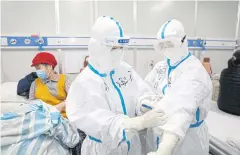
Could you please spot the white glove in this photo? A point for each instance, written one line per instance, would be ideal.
(167, 145)
(148, 102)
(153, 118)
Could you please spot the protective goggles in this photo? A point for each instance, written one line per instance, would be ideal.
(117, 42)
(167, 43)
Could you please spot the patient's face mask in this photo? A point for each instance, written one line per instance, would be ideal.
(42, 74)
(42, 71)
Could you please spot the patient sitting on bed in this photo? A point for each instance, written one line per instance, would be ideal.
(50, 87)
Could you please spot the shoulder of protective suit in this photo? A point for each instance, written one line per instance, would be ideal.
(161, 64)
(194, 65)
(194, 68)
(87, 76)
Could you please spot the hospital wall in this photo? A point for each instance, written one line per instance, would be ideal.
(139, 19)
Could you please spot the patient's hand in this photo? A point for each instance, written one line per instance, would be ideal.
(60, 107)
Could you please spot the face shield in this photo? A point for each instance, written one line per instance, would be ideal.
(163, 45)
(171, 48)
(116, 46)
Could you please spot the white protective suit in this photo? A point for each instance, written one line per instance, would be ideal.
(105, 94)
(186, 89)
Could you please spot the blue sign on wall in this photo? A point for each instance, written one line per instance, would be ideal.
(27, 41)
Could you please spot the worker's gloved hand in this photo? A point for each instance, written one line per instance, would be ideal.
(148, 102)
(167, 145)
(153, 118)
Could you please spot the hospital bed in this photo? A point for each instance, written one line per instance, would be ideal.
(222, 126)
(217, 147)
(49, 134)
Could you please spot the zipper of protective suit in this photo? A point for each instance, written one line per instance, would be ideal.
(121, 99)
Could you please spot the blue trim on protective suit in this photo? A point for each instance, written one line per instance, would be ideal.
(198, 123)
(147, 106)
(119, 93)
(122, 102)
(124, 139)
(158, 141)
(170, 68)
(121, 98)
(95, 71)
(124, 136)
(164, 88)
(95, 139)
(164, 28)
(129, 145)
(101, 75)
(120, 28)
(198, 114)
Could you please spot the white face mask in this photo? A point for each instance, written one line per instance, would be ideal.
(172, 49)
(116, 57)
(104, 58)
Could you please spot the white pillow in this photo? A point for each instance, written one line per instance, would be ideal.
(9, 93)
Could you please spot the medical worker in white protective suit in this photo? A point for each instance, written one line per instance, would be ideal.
(186, 90)
(102, 101)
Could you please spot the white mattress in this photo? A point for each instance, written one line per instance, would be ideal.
(222, 125)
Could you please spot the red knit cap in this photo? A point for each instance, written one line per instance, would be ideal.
(44, 58)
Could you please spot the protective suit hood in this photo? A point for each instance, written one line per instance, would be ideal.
(172, 41)
(105, 45)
